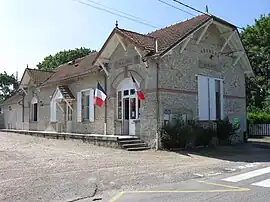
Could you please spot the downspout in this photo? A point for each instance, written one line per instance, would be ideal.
(158, 104)
(105, 113)
(157, 94)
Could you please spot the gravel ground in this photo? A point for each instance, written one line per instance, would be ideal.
(40, 169)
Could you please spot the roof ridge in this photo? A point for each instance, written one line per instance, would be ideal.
(120, 29)
(40, 70)
(177, 23)
(91, 53)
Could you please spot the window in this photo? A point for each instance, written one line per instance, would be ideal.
(85, 105)
(1, 111)
(119, 104)
(210, 98)
(34, 112)
(68, 113)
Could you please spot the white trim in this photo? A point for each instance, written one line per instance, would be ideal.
(198, 28)
(227, 41)
(79, 106)
(60, 107)
(186, 42)
(238, 58)
(91, 106)
(121, 42)
(206, 26)
(34, 100)
(136, 49)
(103, 67)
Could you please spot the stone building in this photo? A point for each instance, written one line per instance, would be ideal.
(193, 70)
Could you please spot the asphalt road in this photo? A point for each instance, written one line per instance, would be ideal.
(40, 169)
(246, 184)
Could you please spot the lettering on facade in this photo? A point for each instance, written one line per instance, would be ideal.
(208, 65)
(209, 51)
(123, 62)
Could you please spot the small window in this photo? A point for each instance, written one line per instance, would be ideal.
(126, 92)
(132, 91)
(85, 105)
(69, 113)
(34, 112)
(119, 107)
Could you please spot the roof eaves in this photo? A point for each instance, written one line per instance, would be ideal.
(186, 35)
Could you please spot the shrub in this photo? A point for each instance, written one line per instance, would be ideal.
(224, 130)
(258, 117)
(183, 135)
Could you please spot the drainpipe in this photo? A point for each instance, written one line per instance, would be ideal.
(105, 121)
(158, 111)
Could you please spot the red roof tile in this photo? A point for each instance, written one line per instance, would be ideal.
(79, 67)
(147, 42)
(38, 76)
(169, 35)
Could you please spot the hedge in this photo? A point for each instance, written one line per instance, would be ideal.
(258, 117)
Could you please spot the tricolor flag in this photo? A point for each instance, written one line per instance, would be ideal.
(137, 88)
(100, 95)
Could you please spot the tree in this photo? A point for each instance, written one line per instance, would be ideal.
(256, 39)
(50, 62)
(7, 84)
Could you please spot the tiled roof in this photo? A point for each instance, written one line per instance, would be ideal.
(39, 76)
(142, 40)
(167, 36)
(66, 92)
(78, 67)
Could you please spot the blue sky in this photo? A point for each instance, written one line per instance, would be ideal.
(33, 29)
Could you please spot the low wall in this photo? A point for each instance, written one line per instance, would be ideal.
(99, 140)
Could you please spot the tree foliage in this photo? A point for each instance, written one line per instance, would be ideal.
(256, 39)
(50, 62)
(7, 84)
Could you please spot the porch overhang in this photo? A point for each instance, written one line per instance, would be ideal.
(63, 93)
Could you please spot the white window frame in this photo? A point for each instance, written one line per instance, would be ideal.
(122, 107)
(91, 106)
(211, 99)
(34, 102)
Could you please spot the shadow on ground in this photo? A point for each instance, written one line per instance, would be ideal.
(248, 152)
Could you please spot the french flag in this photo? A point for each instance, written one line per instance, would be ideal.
(100, 95)
(137, 88)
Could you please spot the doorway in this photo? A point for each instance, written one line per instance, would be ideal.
(128, 106)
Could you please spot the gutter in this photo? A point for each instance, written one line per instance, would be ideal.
(158, 104)
(106, 107)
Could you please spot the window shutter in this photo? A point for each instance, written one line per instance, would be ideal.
(221, 100)
(212, 98)
(79, 107)
(203, 94)
(53, 110)
(91, 106)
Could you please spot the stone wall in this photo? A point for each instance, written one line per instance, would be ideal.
(178, 73)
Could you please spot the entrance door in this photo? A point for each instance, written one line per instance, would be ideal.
(126, 116)
(130, 114)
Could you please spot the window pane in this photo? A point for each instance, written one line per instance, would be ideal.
(35, 112)
(119, 103)
(126, 108)
(133, 108)
(139, 107)
(87, 102)
(132, 91)
(126, 92)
